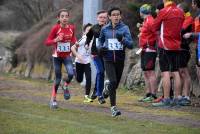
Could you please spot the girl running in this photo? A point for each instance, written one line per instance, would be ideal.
(83, 58)
(61, 37)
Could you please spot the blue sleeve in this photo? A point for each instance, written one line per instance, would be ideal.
(128, 40)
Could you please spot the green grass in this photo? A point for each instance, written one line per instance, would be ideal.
(26, 117)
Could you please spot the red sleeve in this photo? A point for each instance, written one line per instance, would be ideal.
(157, 21)
(188, 22)
(52, 35)
(73, 40)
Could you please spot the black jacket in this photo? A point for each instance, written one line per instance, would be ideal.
(93, 34)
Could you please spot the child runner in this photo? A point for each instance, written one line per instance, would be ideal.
(61, 37)
(93, 35)
(113, 40)
(83, 58)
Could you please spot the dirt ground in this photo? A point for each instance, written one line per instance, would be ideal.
(39, 92)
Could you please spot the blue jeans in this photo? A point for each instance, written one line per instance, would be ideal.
(99, 85)
(57, 62)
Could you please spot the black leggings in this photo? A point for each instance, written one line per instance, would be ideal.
(82, 69)
(114, 72)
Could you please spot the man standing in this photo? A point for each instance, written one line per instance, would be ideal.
(169, 22)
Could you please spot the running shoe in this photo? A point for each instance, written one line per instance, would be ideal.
(115, 112)
(93, 96)
(87, 99)
(181, 102)
(66, 93)
(148, 99)
(53, 104)
(164, 102)
(185, 102)
(106, 91)
(101, 100)
(158, 99)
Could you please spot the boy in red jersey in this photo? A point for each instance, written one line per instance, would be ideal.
(61, 37)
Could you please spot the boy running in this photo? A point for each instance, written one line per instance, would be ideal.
(113, 39)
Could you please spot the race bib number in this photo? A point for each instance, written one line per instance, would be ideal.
(114, 44)
(63, 47)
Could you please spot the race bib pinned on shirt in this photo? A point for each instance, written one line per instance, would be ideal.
(114, 44)
(63, 47)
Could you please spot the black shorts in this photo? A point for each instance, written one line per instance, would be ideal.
(184, 58)
(197, 61)
(169, 60)
(148, 60)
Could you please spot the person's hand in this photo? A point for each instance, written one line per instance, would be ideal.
(119, 37)
(102, 49)
(86, 46)
(187, 35)
(80, 58)
(138, 25)
(59, 37)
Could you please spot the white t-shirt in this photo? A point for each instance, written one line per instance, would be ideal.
(86, 54)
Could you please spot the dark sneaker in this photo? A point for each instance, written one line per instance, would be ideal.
(164, 102)
(106, 91)
(185, 102)
(93, 96)
(66, 93)
(53, 104)
(181, 102)
(101, 100)
(115, 112)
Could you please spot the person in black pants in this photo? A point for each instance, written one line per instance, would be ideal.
(113, 40)
(83, 58)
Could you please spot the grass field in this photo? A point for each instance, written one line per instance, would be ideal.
(26, 117)
(24, 110)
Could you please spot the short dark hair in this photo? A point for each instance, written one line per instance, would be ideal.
(101, 11)
(86, 25)
(114, 8)
(160, 6)
(62, 10)
(184, 6)
(197, 2)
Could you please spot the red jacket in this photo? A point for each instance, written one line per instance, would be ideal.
(169, 21)
(188, 22)
(68, 36)
(147, 36)
(188, 26)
